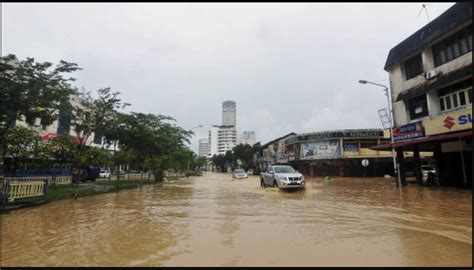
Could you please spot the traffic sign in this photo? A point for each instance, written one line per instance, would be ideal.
(365, 162)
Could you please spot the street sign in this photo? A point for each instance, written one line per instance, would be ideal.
(365, 162)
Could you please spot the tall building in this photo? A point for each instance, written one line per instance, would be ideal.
(204, 147)
(247, 137)
(213, 136)
(228, 113)
(226, 139)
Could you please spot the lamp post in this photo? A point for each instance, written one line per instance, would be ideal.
(385, 88)
(189, 158)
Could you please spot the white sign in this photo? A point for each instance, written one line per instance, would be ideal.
(365, 162)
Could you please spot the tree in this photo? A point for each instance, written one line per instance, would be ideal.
(64, 149)
(31, 90)
(21, 145)
(151, 137)
(244, 153)
(96, 116)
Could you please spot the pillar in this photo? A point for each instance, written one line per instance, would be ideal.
(438, 157)
(401, 169)
(416, 156)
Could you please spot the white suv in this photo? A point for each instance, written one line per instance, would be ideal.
(283, 177)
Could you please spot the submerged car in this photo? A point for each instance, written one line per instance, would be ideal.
(240, 174)
(283, 177)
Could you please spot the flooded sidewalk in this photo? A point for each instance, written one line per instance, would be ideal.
(214, 220)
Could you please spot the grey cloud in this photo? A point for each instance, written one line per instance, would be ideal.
(289, 67)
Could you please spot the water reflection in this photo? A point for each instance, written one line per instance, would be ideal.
(216, 221)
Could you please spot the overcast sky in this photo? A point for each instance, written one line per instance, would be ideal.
(289, 67)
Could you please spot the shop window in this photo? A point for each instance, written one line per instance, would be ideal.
(413, 67)
(454, 96)
(368, 144)
(454, 46)
(418, 107)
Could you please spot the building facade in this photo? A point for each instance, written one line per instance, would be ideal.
(228, 113)
(247, 137)
(64, 125)
(431, 90)
(226, 139)
(333, 153)
(204, 148)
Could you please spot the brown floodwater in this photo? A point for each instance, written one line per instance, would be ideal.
(216, 221)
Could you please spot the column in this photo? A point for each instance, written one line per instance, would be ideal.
(416, 156)
(401, 169)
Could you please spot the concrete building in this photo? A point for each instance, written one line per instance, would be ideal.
(431, 90)
(213, 140)
(224, 137)
(332, 153)
(204, 148)
(64, 125)
(228, 113)
(267, 154)
(247, 137)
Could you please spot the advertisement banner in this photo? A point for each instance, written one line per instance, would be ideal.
(449, 122)
(409, 132)
(320, 150)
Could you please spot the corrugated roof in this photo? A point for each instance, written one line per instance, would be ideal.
(454, 16)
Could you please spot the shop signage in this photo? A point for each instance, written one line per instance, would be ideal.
(409, 132)
(320, 150)
(337, 134)
(449, 122)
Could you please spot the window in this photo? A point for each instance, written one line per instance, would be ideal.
(97, 139)
(454, 46)
(367, 144)
(418, 107)
(413, 67)
(454, 96)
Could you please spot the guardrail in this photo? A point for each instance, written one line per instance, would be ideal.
(14, 189)
(57, 180)
(132, 176)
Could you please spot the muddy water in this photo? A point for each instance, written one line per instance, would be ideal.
(216, 221)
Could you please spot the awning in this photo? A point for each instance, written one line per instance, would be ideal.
(442, 137)
(49, 136)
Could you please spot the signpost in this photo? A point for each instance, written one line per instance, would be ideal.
(365, 163)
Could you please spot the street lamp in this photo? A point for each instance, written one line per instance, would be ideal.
(391, 125)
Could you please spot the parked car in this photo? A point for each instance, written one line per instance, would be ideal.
(240, 174)
(104, 173)
(282, 176)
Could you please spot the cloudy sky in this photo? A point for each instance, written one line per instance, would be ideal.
(289, 67)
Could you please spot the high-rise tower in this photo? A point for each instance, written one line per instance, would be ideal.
(228, 113)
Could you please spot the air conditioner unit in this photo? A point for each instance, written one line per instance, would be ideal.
(431, 74)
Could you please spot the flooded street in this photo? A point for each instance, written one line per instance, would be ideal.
(216, 221)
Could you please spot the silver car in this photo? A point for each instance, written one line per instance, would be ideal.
(239, 173)
(283, 177)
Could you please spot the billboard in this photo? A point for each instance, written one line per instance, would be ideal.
(320, 150)
(409, 131)
(449, 122)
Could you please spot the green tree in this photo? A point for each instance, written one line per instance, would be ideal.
(152, 137)
(21, 145)
(31, 90)
(64, 149)
(244, 153)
